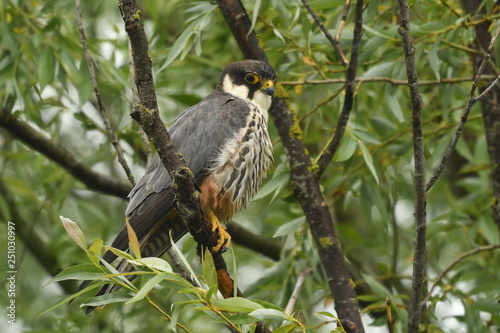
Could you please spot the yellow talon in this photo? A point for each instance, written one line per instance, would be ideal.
(224, 239)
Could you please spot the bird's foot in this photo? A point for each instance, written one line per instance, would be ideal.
(224, 239)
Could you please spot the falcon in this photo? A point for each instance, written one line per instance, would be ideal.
(226, 144)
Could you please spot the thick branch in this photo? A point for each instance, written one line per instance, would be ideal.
(490, 104)
(306, 185)
(419, 257)
(93, 180)
(257, 243)
(146, 114)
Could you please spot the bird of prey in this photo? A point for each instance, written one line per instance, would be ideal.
(225, 142)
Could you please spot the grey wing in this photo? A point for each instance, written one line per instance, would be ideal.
(199, 134)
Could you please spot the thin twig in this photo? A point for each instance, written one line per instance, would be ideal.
(419, 257)
(388, 303)
(332, 146)
(453, 263)
(296, 291)
(335, 43)
(472, 100)
(343, 19)
(488, 89)
(101, 108)
(383, 79)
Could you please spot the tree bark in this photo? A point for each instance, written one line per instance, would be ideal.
(490, 104)
(306, 184)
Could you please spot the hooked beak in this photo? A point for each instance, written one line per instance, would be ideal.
(268, 88)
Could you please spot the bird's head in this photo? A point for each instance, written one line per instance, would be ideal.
(251, 80)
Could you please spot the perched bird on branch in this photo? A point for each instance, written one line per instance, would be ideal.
(225, 142)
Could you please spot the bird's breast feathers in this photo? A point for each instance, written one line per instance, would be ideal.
(241, 164)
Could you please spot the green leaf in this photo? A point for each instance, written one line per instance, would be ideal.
(84, 86)
(208, 267)
(269, 314)
(275, 184)
(179, 45)
(95, 250)
(46, 67)
(119, 253)
(67, 299)
(328, 314)
(368, 160)
(290, 227)
(147, 287)
(181, 257)
(379, 70)
(78, 272)
(486, 305)
(434, 59)
(394, 106)
(236, 304)
(74, 232)
(255, 14)
(346, 149)
(242, 319)
(286, 328)
(132, 238)
(157, 263)
(106, 299)
(377, 287)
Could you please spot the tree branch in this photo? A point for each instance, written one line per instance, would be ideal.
(29, 136)
(472, 100)
(385, 79)
(257, 243)
(332, 146)
(334, 41)
(453, 263)
(306, 185)
(100, 104)
(296, 290)
(147, 115)
(419, 258)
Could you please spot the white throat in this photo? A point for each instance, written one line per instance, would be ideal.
(260, 99)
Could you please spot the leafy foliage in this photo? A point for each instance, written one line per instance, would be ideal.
(368, 185)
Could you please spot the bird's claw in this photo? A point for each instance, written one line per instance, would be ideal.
(224, 239)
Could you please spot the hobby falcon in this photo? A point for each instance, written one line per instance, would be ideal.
(225, 142)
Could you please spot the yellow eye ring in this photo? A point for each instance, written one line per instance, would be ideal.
(251, 78)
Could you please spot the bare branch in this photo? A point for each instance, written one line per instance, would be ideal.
(296, 290)
(472, 100)
(441, 275)
(335, 43)
(388, 303)
(66, 160)
(343, 19)
(419, 257)
(101, 108)
(332, 146)
(384, 79)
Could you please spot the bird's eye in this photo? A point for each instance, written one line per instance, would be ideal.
(251, 78)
